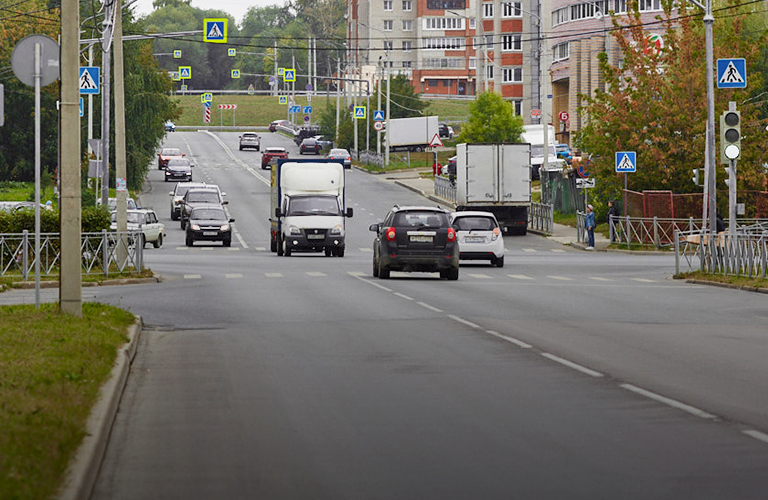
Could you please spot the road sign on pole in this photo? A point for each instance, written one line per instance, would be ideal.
(289, 75)
(185, 72)
(731, 73)
(89, 79)
(626, 161)
(563, 116)
(360, 112)
(585, 183)
(215, 30)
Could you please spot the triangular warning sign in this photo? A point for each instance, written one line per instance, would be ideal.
(86, 81)
(731, 74)
(215, 32)
(625, 164)
(436, 142)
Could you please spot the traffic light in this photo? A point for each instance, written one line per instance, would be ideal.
(730, 136)
(696, 176)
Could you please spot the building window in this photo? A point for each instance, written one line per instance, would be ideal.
(487, 10)
(431, 83)
(561, 16)
(452, 43)
(511, 9)
(406, 64)
(445, 4)
(446, 83)
(518, 107)
(388, 4)
(388, 45)
(407, 5)
(388, 23)
(443, 62)
(443, 23)
(489, 71)
(561, 51)
(407, 46)
(620, 6)
(472, 63)
(650, 5)
(472, 23)
(511, 43)
(407, 25)
(512, 75)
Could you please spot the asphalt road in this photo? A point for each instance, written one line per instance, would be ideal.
(565, 374)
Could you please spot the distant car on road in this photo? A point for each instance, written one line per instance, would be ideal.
(178, 169)
(273, 126)
(341, 154)
(415, 239)
(170, 126)
(309, 145)
(178, 193)
(196, 197)
(250, 140)
(324, 142)
(479, 236)
(209, 223)
(270, 156)
(153, 231)
(166, 154)
(445, 130)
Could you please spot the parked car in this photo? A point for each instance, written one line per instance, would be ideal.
(479, 236)
(166, 154)
(341, 154)
(270, 156)
(15, 206)
(153, 231)
(181, 189)
(417, 239)
(170, 126)
(209, 223)
(196, 197)
(309, 145)
(250, 140)
(325, 143)
(273, 126)
(178, 169)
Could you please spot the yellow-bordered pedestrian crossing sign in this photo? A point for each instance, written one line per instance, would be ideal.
(185, 72)
(206, 97)
(175, 76)
(360, 112)
(289, 75)
(231, 52)
(283, 99)
(177, 54)
(215, 30)
(235, 73)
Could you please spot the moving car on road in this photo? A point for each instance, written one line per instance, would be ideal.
(250, 140)
(144, 220)
(271, 155)
(417, 239)
(341, 154)
(166, 154)
(196, 197)
(309, 145)
(209, 223)
(178, 169)
(170, 126)
(273, 126)
(479, 237)
(178, 193)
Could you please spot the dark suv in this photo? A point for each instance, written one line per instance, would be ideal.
(415, 239)
(196, 197)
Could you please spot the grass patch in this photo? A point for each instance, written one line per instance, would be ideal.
(11, 280)
(742, 281)
(51, 368)
(564, 219)
(400, 161)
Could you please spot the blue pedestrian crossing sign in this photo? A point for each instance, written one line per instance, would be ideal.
(215, 30)
(231, 52)
(235, 73)
(185, 72)
(184, 87)
(307, 110)
(174, 76)
(731, 73)
(360, 112)
(289, 75)
(283, 99)
(206, 97)
(177, 54)
(89, 79)
(626, 161)
(378, 115)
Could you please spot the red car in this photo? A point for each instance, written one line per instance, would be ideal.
(166, 154)
(271, 155)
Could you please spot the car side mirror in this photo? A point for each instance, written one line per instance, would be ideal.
(350, 212)
(232, 220)
(223, 194)
(225, 202)
(278, 212)
(374, 227)
(170, 194)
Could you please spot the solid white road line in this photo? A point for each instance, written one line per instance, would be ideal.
(571, 364)
(518, 343)
(431, 308)
(464, 321)
(668, 401)
(757, 435)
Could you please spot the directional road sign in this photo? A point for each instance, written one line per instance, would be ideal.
(626, 161)
(207, 104)
(360, 112)
(378, 115)
(89, 79)
(289, 75)
(235, 73)
(585, 183)
(731, 73)
(295, 109)
(215, 30)
(307, 110)
(177, 54)
(185, 72)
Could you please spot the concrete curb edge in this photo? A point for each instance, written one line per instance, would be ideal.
(84, 466)
(727, 285)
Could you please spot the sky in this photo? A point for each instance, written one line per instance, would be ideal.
(237, 8)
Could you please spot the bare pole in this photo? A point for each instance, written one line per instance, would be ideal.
(120, 162)
(106, 47)
(711, 198)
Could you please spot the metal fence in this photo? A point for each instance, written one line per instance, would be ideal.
(104, 253)
(742, 254)
(541, 217)
(445, 189)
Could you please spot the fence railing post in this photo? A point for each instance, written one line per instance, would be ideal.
(656, 243)
(677, 252)
(105, 253)
(25, 255)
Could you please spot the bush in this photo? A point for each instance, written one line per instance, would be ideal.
(94, 219)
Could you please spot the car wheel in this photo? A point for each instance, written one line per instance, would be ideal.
(452, 274)
(174, 216)
(287, 251)
(328, 251)
(183, 224)
(340, 252)
(500, 261)
(241, 148)
(383, 272)
(279, 245)
(375, 269)
(190, 240)
(158, 242)
(227, 242)
(272, 244)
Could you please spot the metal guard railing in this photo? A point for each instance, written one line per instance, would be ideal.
(102, 253)
(742, 254)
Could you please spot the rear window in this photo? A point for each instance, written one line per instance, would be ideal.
(171, 152)
(248, 135)
(421, 218)
(474, 223)
(203, 197)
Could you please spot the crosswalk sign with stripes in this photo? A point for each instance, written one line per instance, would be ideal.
(215, 30)
(731, 73)
(89, 79)
(185, 72)
(289, 75)
(626, 161)
(360, 112)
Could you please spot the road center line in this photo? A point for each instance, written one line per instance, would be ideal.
(431, 308)
(757, 435)
(571, 364)
(464, 321)
(518, 343)
(668, 401)
(403, 296)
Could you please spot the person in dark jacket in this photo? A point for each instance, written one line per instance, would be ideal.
(719, 222)
(613, 219)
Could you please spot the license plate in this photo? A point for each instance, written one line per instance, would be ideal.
(210, 233)
(315, 236)
(474, 239)
(420, 239)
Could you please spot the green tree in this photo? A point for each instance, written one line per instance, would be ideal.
(655, 103)
(491, 120)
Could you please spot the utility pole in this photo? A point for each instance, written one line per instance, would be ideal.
(338, 101)
(386, 146)
(276, 86)
(120, 163)
(70, 297)
(479, 52)
(378, 106)
(106, 48)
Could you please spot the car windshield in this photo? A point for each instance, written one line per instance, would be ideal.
(421, 218)
(474, 223)
(132, 217)
(171, 152)
(181, 189)
(341, 153)
(313, 205)
(208, 214)
(203, 197)
(178, 162)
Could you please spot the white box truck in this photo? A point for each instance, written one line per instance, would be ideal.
(495, 178)
(412, 134)
(534, 135)
(308, 207)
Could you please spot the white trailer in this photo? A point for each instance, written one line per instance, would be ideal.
(412, 134)
(495, 178)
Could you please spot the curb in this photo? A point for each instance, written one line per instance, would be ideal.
(727, 285)
(84, 467)
(26, 285)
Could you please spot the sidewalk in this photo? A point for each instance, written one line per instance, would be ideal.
(425, 186)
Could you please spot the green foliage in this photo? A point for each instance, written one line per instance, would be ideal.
(94, 219)
(491, 120)
(655, 104)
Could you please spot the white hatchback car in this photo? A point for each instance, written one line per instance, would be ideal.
(479, 237)
(144, 220)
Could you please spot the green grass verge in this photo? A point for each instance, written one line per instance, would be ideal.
(51, 368)
(742, 281)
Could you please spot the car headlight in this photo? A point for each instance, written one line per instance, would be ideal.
(224, 227)
(194, 227)
(336, 229)
(294, 231)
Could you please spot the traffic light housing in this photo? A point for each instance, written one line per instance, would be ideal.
(730, 136)
(695, 178)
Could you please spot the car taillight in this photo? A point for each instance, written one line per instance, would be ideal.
(496, 233)
(390, 233)
(451, 234)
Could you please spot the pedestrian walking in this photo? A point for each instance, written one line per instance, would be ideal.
(589, 225)
(613, 219)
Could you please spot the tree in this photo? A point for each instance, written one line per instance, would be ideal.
(491, 120)
(655, 103)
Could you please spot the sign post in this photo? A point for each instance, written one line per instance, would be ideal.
(626, 161)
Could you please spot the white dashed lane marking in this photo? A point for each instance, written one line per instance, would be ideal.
(316, 274)
(273, 275)
(643, 280)
(561, 278)
(598, 278)
(192, 276)
(519, 276)
(480, 276)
